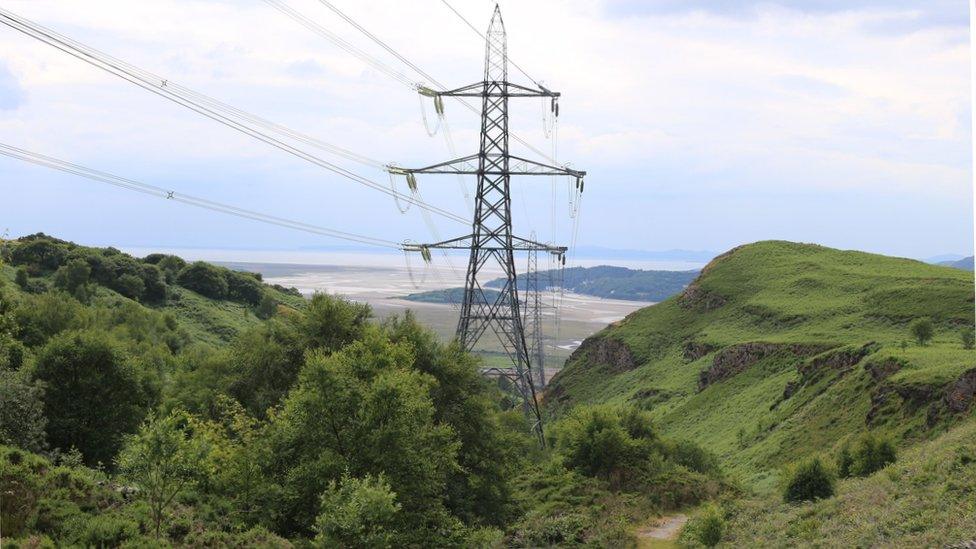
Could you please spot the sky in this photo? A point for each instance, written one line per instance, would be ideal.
(702, 124)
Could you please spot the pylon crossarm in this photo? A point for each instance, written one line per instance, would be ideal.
(479, 90)
(524, 166)
(495, 165)
(464, 243)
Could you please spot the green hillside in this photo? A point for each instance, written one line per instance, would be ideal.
(211, 304)
(780, 350)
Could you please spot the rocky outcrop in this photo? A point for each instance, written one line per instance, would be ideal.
(959, 396)
(840, 360)
(693, 350)
(883, 369)
(607, 351)
(699, 299)
(736, 358)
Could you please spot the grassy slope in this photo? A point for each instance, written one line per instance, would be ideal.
(782, 292)
(206, 320)
(923, 500)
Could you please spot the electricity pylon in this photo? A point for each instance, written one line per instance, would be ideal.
(533, 319)
(491, 242)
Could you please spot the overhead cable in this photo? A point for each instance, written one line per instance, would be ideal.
(132, 185)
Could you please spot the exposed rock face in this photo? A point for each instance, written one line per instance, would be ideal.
(736, 358)
(884, 369)
(959, 396)
(607, 352)
(699, 299)
(693, 350)
(841, 360)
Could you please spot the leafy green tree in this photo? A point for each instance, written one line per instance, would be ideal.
(22, 278)
(204, 279)
(808, 480)
(968, 338)
(329, 322)
(922, 330)
(481, 492)
(171, 266)
(93, 395)
(130, 286)
(72, 275)
(38, 318)
(364, 410)
(163, 459)
(357, 513)
(22, 418)
(244, 287)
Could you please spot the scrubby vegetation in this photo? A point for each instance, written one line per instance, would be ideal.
(134, 416)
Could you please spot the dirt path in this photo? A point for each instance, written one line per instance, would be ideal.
(666, 528)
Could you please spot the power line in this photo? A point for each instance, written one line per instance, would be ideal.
(206, 108)
(132, 185)
(373, 61)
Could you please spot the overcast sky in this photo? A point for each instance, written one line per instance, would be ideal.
(702, 124)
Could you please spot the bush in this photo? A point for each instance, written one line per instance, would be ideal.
(867, 455)
(22, 278)
(707, 527)
(22, 418)
(244, 287)
(130, 286)
(267, 308)
(92, 395)
(204, 279)
(358, 513)
(922, 330)
(809, 480)
(968, 338)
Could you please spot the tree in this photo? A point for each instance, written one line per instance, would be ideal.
(130, 286)
(22, 278)
(93, 396)
(204, 279)
(968, 338)
(808, 480)
(72, 275)
(364, 411)
(922, 330)
(162, 459)
(357, 513)
(22, 418)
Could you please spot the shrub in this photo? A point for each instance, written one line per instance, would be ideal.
(22, 418)
(92, 394)
(22, 278)
(358, 513)
(922, 330)
(204, 279)
(968, 338)
(809, 480)
(267, 308)
(707, 527)
(244, 287)
(72, 275)
(868, 454)
(130, 286)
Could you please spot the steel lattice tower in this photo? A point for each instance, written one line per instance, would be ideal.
(491, 242)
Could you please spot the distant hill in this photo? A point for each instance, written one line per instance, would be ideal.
(781, 350)
(965, 263)
(603, 281)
